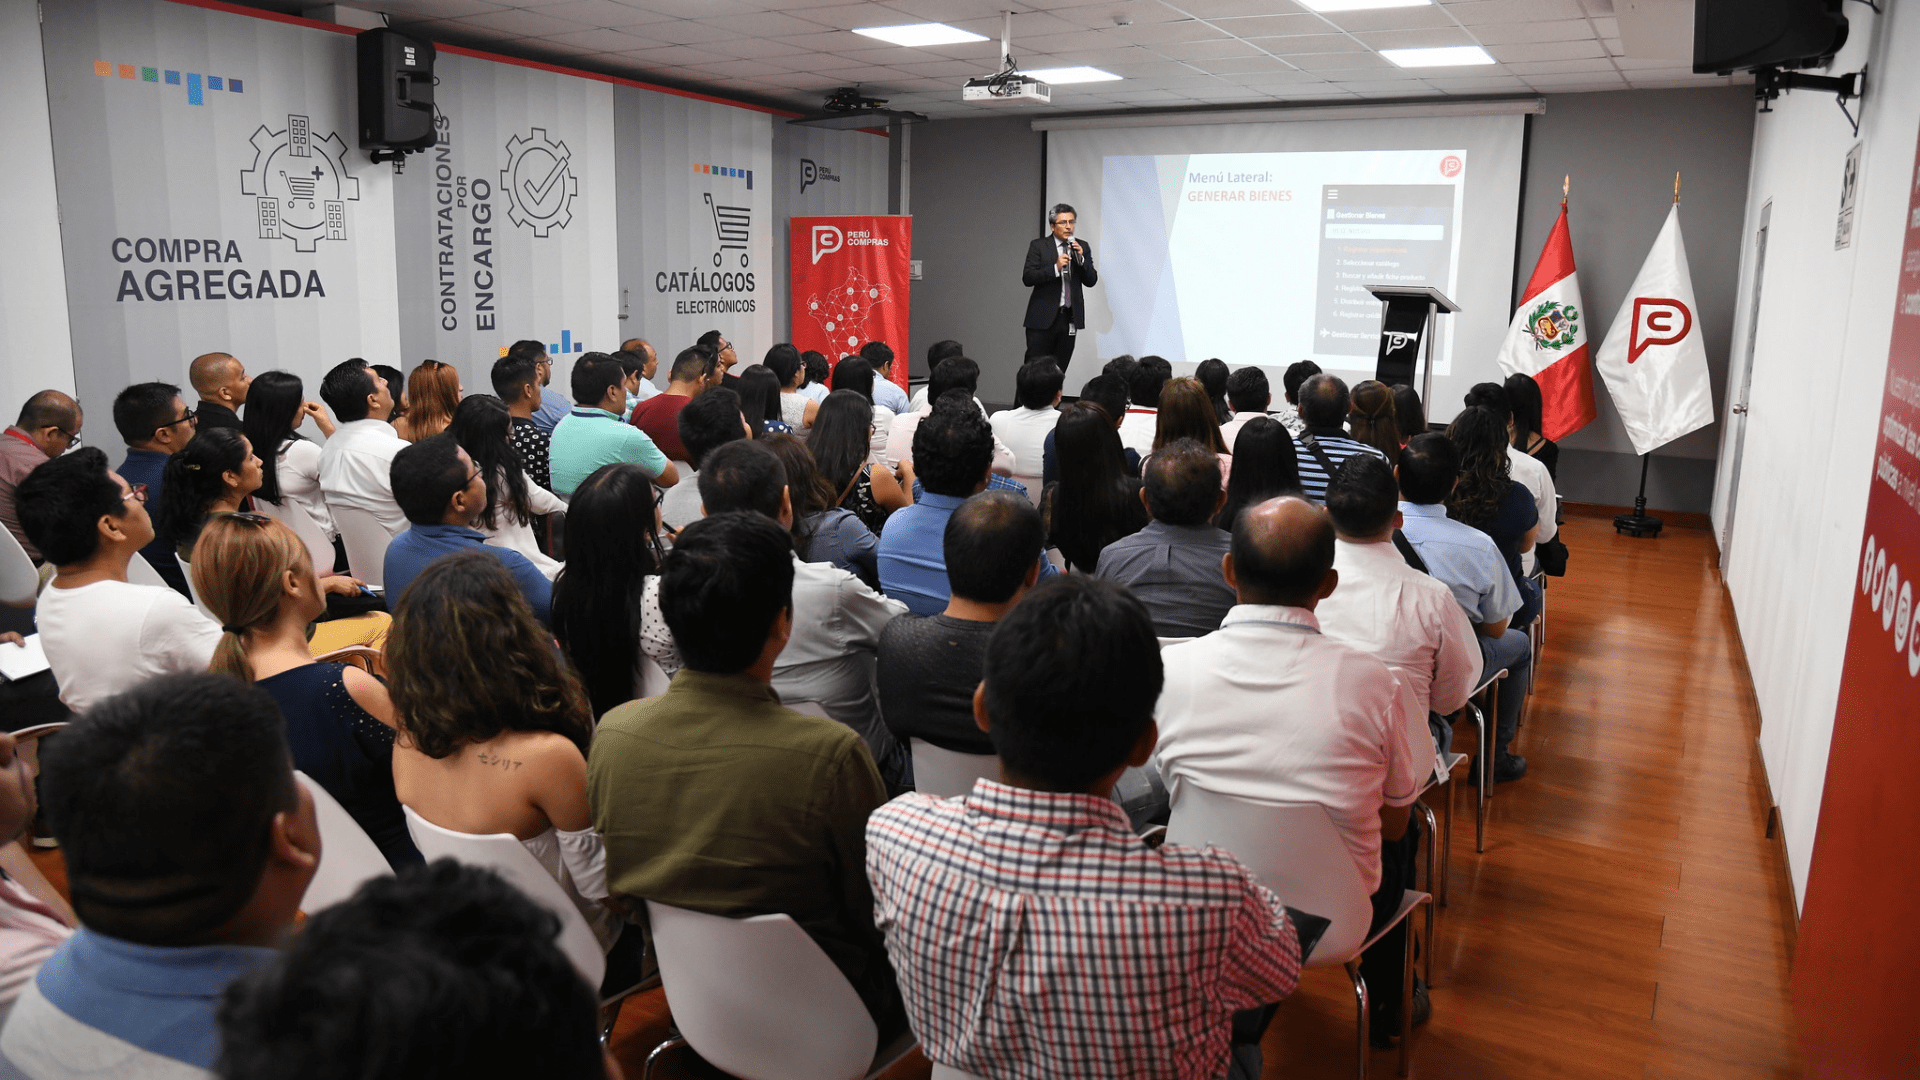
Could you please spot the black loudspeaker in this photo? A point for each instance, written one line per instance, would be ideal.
(396, 93)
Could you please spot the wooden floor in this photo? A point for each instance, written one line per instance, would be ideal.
(1628, 918)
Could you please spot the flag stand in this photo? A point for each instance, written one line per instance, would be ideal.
(1638, 523)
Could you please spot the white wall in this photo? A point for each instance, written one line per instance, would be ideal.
(33, 280)
(1820, 358)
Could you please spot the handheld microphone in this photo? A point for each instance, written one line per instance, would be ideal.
(1076, 249)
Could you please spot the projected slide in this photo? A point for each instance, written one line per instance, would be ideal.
(1263, 257)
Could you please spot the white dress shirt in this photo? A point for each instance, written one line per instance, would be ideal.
(298, 469)
(1529, 473)
(829, 659)
(518, 535)
(356, 470)
(111, 636)
(1407, 620)
(900, 443)
(883, 421)
(1269, 708)
(1025, 431)
(1137, 429)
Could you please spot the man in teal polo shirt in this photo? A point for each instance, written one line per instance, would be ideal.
(595, 433)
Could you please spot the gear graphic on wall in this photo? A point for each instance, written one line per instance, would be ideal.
(300, 184)
(539, 182)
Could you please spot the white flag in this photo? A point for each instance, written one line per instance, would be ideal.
(1653, 361)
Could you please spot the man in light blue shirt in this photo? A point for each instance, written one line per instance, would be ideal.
(1470, 564)
(886, 392)
(188, 847)
(443, 494)
(553, 404)
(596, 433)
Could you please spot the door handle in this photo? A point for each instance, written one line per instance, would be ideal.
(1740, 409)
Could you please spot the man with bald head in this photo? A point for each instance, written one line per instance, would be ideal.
(49, 426)
(1269, 708)
(222, 383)
(649, 367)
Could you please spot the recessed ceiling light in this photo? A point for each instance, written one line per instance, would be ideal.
(916, 35)
(1361, 5)
(1449, 56)
(1063, 76)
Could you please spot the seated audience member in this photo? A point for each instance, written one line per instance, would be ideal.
(1296, 374)
(715, 798)
(277, 406)
(886, 392)
(433, 392)
(1110, 393)
(517, 382)
(221, 383)
(188, 845)
(1487, 498)
(1122, 367)
(606, 601)
(397, 386)
(630, 365)
(585, 440)
(1409, 415)
(953, 373)
(929, 667)
(1038, 880)
(155, 424)
(1248, 394)
(1095, 502)
(693, 373)
(34, 918)
(1173, 564)
(1323, 405)
(1185, 413)
(709, 422)
(1150, 373)
(1523, 395)
(493, 728)
(936, 352)
(1265, 467)
(216, 473)
(1524, 469)
(1468, 562)
(443, 494)
(101, 633)
(1269, 708)
(716, 345)
(837, 619)
(515, 504)
(818, 372)
(796, 408)
(643, 351)
(255, 576)
(822, 532)
(1024, 430)
(1373, 417)
(1407, 619)
(841, 444)
(760, 401)
(49, 425)
(853, 373)
(1212, 375)
(553, 405)
(443, 973)
(355, 463)
(953, 452)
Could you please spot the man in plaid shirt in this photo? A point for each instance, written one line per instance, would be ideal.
(1035, 936)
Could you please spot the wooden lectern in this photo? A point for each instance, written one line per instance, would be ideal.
(1409, 317)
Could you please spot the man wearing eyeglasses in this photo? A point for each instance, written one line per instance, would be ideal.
(554, 405)
(724, 358)
(49, 426)
(156, 424)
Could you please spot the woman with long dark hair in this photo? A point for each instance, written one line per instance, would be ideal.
(1212, 375)
(1187, 413)
(842, 447)
(760, 398)
(855, 374)
(1486, 497)
(815, 365)
(277, 406)
(484, 429)
(823, 532)
(606, 602)
(213, 474)
(797, 408)
(1094, 502)
(1409, 415)
(1373, 417)
(1523, 395)
(1264, 467)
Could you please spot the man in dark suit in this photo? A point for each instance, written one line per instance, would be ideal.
(1058, 268)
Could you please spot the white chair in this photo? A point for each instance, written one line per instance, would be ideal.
(19, 578)
(366, 542)
(1295, 850)
(756, 997)
(141, 572)
(948, 1072)
(1166, 641)
(290, 514)
(948, 772)
(348, 856)
(653, 678)
(193, 591)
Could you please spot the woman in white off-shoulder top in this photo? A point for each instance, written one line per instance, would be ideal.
(482, 426)
(277, 406)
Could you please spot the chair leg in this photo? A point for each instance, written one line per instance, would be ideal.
(1360, 996)
(653, 1057)
(1433, 851)
(609, 1015)
(1406, 1003)
(1446, 844)
(1483, 761)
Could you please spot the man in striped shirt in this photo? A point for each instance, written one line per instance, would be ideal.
(1034, 934)
(1323, 405)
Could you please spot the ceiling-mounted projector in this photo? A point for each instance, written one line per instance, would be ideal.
(1010, 88)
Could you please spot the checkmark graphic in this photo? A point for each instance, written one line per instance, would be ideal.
(538, 195)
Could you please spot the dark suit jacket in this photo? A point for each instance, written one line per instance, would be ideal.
(1038, 275)
(212, 414)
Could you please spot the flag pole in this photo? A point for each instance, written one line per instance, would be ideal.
(1638, 523)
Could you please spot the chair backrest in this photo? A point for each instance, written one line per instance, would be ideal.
(193, 591)
(653, 678)
(1293, 848)
(348, 856)
(290, 514)
(757, 998)
(1166, 641)
(365, 657)
(19, 578)
(503, 854)
(366, 543)
(948, 1072)
(949, 772)
(141, 572)
(26, 742)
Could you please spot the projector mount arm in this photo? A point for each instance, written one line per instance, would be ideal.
(1770, 82)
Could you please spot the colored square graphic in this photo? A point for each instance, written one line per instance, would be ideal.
(173, 78)
(103, 69)
(148, 74)
(213, 82)
(194, 94)
(233, 86)
(128, 71)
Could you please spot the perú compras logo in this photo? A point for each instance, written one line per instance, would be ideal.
(827, 239)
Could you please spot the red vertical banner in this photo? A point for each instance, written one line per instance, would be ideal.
(851, 284)
(1853, 965)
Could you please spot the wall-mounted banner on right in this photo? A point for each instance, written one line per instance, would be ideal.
(1857, 932)
(850, 284)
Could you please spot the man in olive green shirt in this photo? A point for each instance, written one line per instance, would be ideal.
(715, 798)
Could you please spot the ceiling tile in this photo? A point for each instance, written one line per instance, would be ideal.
(1271, 25)
(1476, 84)
(522, 23)
(746, 48)
(1160, 33)
(1507, 33)
(674, 56)
(1068, 42)
(1388, 86)
(602, 13)
(1559, 67)
(1318, 43)
(1242, 65)
(762, 24)
(1205, 50)
(1547, 50)
(1417, 39)
(599, 41)
(1409, 18)
(697, 9)
(1229, 9)
(1586, 80)
(413, 11)
(1338, 61)
(1475, 12)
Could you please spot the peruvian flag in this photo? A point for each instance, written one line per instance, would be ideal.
(1548, 338)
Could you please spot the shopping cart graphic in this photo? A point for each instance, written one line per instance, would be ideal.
(732, 226)
(300, 187)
